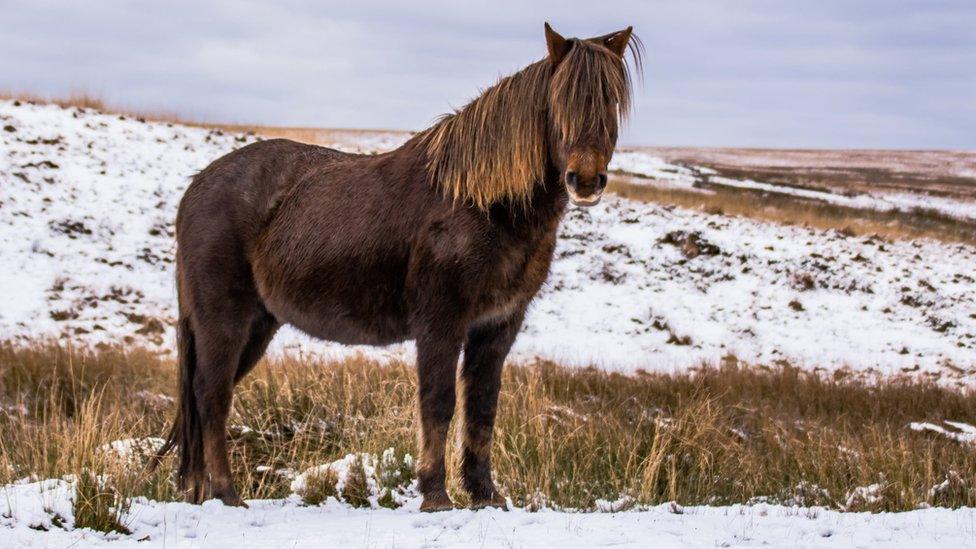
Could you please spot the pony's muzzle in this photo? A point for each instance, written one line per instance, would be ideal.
(585, 191)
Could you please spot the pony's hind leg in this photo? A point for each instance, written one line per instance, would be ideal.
(263, 329)
(228, 346)
(231, 330)
(219, 347)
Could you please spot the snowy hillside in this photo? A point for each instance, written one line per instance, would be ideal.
(87, 203)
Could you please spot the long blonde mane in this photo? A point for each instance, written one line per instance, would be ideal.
(494, 148)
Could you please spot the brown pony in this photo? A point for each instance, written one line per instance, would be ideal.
(445, 240)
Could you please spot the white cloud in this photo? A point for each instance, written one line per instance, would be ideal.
(834, 73)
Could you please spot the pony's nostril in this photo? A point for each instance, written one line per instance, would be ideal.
(602, 180)
(572, 178)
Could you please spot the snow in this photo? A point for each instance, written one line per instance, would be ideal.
(132, 451)
(865, 303)
(386, 481)
(655, 171)
(340, 471)
(880, 202)
(958, 431)
(865, 495)
(28, 507)
(87, 203)
(37, 505)
(367, 142)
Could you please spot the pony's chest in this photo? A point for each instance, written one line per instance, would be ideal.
(513, 277)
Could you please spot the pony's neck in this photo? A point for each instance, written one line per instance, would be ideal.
(493, 149)
(543, 209)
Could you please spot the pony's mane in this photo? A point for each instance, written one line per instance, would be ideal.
(494, 148)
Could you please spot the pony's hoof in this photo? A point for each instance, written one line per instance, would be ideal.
(227, 495)
(496, 501)
(195, 492)
(233, 501)
(198, 493)
(436, 502)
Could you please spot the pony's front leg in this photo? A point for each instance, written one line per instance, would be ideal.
(437, 358)
(481, 378)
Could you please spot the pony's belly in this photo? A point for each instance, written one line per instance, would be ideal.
(346, 305)
(333, 322)
(376, 332)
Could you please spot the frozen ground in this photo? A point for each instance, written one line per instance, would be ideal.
(948, 174)
(28, 509)
(87, 203)
(655, 171)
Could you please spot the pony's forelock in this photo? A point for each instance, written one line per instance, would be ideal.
(494, 148)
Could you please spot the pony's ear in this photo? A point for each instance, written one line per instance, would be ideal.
(557, 45)
(617, 42)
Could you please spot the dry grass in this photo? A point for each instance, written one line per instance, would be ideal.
(565, 438)
(792, 210)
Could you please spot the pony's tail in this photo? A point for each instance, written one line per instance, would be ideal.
(185, 434)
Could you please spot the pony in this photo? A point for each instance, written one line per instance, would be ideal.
(445, 241)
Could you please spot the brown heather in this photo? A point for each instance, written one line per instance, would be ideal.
(565, 437)
(494, 148)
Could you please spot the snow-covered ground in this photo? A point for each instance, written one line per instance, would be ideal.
(655, 171)
(27, 509)
(87, 203)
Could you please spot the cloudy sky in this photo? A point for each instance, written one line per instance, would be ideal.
(829, 73)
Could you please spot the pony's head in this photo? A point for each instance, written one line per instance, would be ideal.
(589, 94)
(561, 111)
